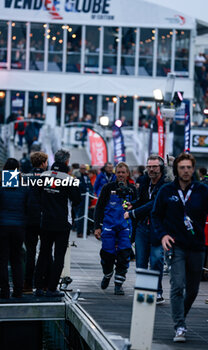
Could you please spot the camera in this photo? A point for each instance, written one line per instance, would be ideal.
(122, 191)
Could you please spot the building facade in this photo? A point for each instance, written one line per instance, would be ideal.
(91, 57)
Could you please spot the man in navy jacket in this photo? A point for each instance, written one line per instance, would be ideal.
(105, 176)
(178, 218)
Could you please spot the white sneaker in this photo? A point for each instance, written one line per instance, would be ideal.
(180, 335)
(160, 299)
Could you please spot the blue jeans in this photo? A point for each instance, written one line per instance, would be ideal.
(185, 275)
(145, 251)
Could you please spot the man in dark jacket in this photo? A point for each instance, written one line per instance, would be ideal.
(13, 204)
(178, 217)
(116, 231)
(147, 247)
(39, 162)
(106, 175)
(58, 194)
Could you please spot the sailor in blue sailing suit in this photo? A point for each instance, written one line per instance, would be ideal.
(116, 231)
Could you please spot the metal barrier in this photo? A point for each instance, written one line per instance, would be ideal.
(86, 210)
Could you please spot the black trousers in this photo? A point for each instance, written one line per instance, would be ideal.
(48, 238)
(11, 241)
(31, 240)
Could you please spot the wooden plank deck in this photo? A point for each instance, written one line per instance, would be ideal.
(113, 313)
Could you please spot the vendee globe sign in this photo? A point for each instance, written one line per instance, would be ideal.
(131, 13)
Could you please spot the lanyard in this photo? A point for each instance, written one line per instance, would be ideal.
(150, 191)
(188, 194)
(108, 178)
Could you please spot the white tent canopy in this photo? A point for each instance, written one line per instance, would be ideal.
(196, 9)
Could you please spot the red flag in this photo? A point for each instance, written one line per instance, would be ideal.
(98, 149)
(160, 133)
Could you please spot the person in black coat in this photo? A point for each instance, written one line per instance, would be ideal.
(13, 204)
(59, 193)
(39, 162)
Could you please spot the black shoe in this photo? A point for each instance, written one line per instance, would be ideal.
(39, 293)
(118, 290)
(105, 282)
(56, 293)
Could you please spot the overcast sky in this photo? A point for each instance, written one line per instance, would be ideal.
(194, 8)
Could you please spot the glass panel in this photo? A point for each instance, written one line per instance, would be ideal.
(128, 51)
(54, 99)
(73, 48)
(17, 102)
(35, 102)
(18, 45)
(164, 51)
(109, 107)
(72, 108)
(90, 106)
(110, 50)
(126, 110)
(3, 45)
(2, 106)
(92, 48)
(37, 37)
(182, 53)
(55, 47)
(147, 37)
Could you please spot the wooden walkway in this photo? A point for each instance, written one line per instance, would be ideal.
(113, 313)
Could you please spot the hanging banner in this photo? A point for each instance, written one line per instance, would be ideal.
(98, 149)
(160, 133)
(118, 142)
(187, 128)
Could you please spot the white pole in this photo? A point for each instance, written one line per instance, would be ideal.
(86, 215)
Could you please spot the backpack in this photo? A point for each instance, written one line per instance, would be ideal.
(21, 126)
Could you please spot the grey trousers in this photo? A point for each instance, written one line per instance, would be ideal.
(185, 276)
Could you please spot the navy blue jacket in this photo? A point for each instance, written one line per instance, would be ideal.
(168, 215)
(142, 207)
(13, 206)
(101, 180)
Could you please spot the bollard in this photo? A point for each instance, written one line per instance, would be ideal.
(143, 314)
(67, 262)
(86, 215)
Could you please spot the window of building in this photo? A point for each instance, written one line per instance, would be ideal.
(90, 106)
(18, 55)
(35, 102)
(55, 47)
(182, 47)
(164, 51)
(17, 102)
(146, 44)
(128, 45)
(2, 106)
(37, 39)
(74, 39)
(72, 108)
(126, 110)
(54, 99)
(3, 45)
(111, 38)
(92, 48)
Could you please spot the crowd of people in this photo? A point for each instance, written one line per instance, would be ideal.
(160, 208)
(26, 129)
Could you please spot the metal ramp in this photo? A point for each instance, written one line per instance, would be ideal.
(131, 158)
(79, 155)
